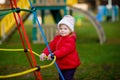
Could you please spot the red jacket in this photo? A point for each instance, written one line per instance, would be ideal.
(64, 48)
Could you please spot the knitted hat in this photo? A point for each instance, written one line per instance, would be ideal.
(69, 21)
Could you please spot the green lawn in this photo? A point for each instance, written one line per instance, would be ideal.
(98, 62)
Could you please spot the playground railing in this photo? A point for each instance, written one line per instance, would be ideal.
(50, 2)
(50, 32)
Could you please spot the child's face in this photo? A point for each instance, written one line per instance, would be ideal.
(64, 30)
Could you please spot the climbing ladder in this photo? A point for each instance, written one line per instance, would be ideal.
(16, 9)
(7, 24)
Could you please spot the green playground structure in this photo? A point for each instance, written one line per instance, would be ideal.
(7, 28)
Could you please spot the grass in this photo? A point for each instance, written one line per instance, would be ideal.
(98, 62)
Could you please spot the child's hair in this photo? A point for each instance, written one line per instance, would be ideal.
(67, 20)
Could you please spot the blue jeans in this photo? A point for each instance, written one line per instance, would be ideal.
(67, 74)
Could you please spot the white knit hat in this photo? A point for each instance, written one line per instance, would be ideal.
(69, 21)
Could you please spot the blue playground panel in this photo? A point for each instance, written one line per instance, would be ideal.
(116, 10)
(104, 12)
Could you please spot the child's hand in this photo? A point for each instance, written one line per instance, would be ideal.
(50, 56)
(43, 57)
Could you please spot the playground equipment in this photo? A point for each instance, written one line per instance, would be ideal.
(52, 5)
(54, 8)
(96, 24)
(71, 2)
(16, 12)
(49, 30)
(16, 16)
(27, 71)
(18, 21)
(7, 24)
(42, 5)
(106, 13)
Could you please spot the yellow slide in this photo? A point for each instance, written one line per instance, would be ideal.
(7, 24)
